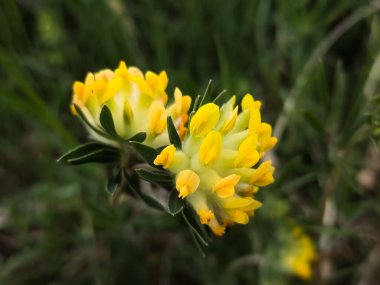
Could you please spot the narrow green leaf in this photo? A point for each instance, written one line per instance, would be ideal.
(173, 135)
(149, 200)
(146, 153)
(139, 137)
(175, 204)
(106, 121)
(198, 243)
(98, 156)
(158, 177)
(194, 228)
(83, 150)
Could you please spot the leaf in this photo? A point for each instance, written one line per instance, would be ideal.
(149, 200)
(194, 228)
(106, 121)
(139, 137)
(173, 135)
(145, 152)
(158, 177)
(114, 181)
(198, 243)
(86, 150)
(175, 204)
(98, 156)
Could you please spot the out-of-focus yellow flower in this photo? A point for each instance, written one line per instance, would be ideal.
(218, 170)
(299, 256)
(136, 101)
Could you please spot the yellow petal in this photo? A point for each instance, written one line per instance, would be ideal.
(204, 120)
(165, 158)
(181, 103)
(229, 123)
(157, 118)
(187, 182)
(112, 88)
(249, 103)
(226, 186)
(246, 203)
(88, 87)
(78, 89)
(247, 154)
(210, 148)
(238, 216)
(134, 71)
(263, 175)
(205, 216)
(122, 70)
(104, 75)
(164, 79)
(157, 85)
(217, 229)
(254, 120)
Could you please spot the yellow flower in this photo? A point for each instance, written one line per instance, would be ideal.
(187, 182)
(299, 256)
(137, 104)
(165, 158)
(204, 120)
(210, 148)
(217, 170)
(226, 186)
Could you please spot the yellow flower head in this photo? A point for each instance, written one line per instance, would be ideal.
(298, 258)
(137, 103)
(217, 170)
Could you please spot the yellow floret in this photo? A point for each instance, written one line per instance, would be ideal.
(165, 158)
(204, 120)
(187, 182)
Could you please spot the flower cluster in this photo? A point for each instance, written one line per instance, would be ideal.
(298, 258)
(217, 169)
(137, 103)
(213, 153)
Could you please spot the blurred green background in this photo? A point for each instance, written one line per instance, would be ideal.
(315, 65)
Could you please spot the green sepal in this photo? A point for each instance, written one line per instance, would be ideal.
(155, 176)
(173, 135)
(146, 153)
(196, 103)
(206, 97)
(219, 98)
(175, 204)
(139, 137)
(106, 121)
(149, 200)
(88, 124)
(90, 153)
